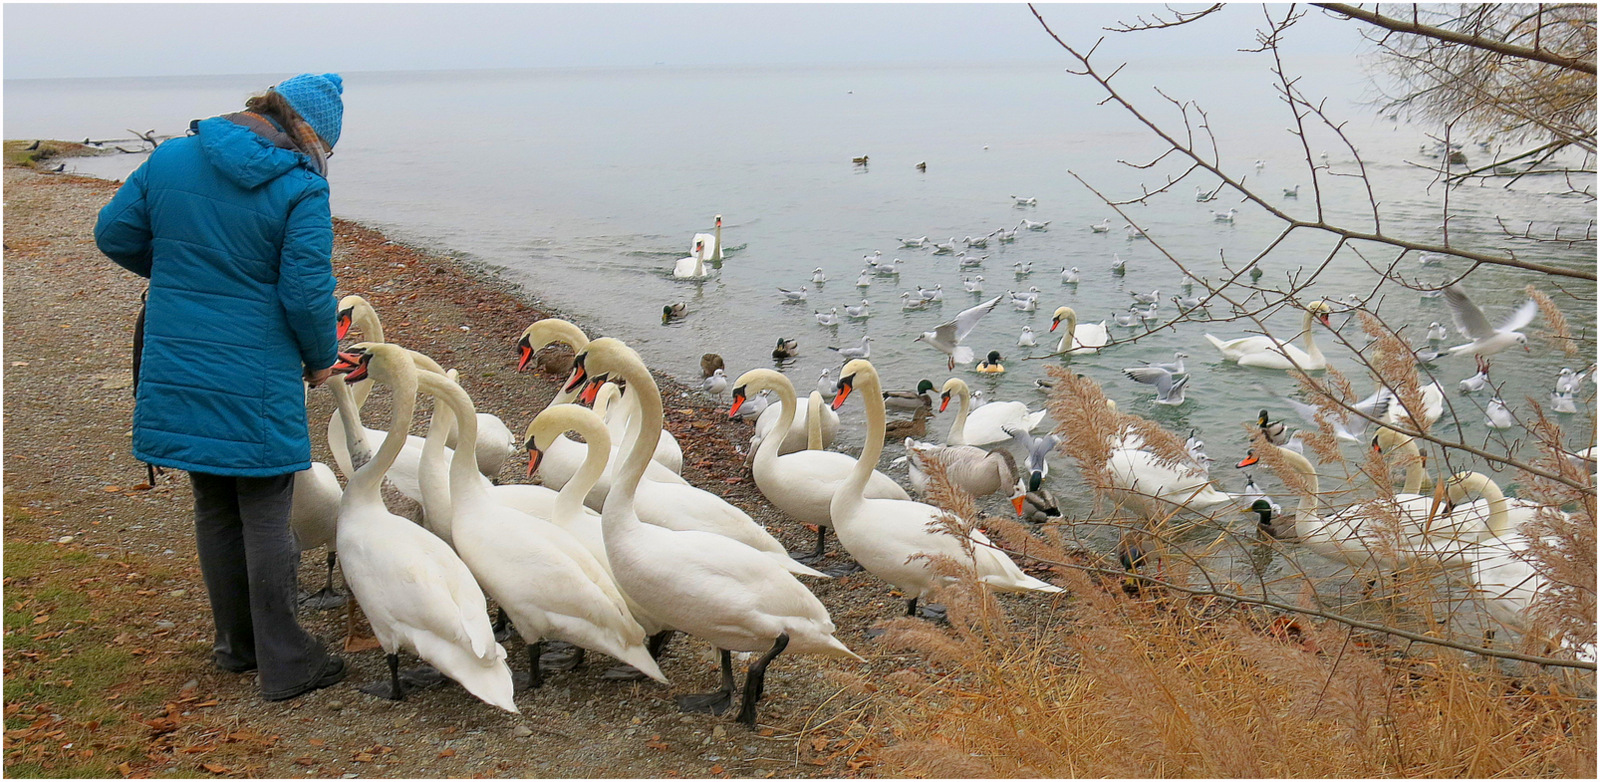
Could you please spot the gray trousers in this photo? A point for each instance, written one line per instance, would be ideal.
(250, 562)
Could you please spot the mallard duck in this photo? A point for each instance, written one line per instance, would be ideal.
(895, 431)
(787, 348)
(991, 365)
(911, 400)
(709, 364)
(671, 311)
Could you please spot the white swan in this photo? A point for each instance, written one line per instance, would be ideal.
(708, 586)
(1140, 479)
(1266, 352)
(544, 578)
(798, 432)
(617, 409)
(987, 423)
(1084, 338)
(1383, 533)
(415, 591)
(495, 448)
(886, 536)
(692, 266)
(563, 457)
(801, 483)
(314, 520)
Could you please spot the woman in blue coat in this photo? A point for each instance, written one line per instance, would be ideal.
(231, 225)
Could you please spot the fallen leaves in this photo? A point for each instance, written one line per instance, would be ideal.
(655, 742)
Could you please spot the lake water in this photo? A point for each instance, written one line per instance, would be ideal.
(588, 184)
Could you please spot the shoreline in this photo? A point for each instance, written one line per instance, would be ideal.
(72, 519)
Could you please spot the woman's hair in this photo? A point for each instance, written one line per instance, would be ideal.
(275, 106)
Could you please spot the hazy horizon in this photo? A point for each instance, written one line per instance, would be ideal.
(155, 40)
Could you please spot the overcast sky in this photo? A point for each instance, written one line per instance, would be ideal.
(75, 40)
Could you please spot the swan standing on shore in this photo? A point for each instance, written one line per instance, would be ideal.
(731, 596)
(416, 593)
(886, 536)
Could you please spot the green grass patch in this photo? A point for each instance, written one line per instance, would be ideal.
(19, 153)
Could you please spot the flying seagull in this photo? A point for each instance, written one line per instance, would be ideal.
(947, 337)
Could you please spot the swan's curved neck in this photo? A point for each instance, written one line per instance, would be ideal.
(1071, 322)
(1415, 472)
(464, 483)
(365, 318)
(569, 502)
(814, 422)
(349, 416)
(768, 379)
(1499, 524)
(434, 476)
(546, 332)
(716, 252)
(364, 484)
(1308, 473)
(958, 430)
(867, 384)
(1310, 336)
(643, 435)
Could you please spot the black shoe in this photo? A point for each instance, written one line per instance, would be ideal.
(333, 672)
(246, 668)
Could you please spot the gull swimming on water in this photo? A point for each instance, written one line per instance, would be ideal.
(865, 280)
(794, 296)
(1498, 415)
(1102, 226)
(1033, 226)
(947, 337)
(863, 350)
(1476, 383)
(1069, 276)
(818, 277)
(974, 285)
(1026, 340)
(858, 312)
(830, 318)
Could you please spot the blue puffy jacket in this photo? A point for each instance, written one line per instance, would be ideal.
(234, 232)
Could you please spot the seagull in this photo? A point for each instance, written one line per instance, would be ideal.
(794, 296)
(1118, 266)
(1147, 298)
(1224, 217)
(945, 248)
(1038, 452)
(936, 294)
(1291, 192)
(947, 337)
(974, 285)
(1025, 304)
(1570, 382)
(891, 269)
(982, 241)
(1186, 303)
(1134, 233)
(756, 405)
(1563, 403)
(1346, 425)
(826, 386)
(858, 312)
(1026, 201)
(1253, 494)
(1069, 276)
(1026, 340)
(787, 347)
(716, 384)
(968, 262)
(818, 277)
(1430, 259)
(871, 259)
(1033, 226)
(1498, 415)
(922, 166)
(863, 350)
(909, 301)
(1437, 333)
(830, 318)
(1129, 319)
(1260, 164)
(1004, 235)
(1196, 449)
(1203, 196)
(1476, 383)
(1150, 314)
(1430, 354)
(1168, 391)
(1102, 226)
(1324, 156)
(1031, 293)
(1486, 339)
(865, 280)
(1022, 269)
(1174, 367)
(923, 242)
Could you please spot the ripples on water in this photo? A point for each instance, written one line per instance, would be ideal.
(587, 185)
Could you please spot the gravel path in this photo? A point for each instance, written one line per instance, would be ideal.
(68, 472)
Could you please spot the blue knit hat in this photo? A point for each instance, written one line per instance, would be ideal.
(316, 99)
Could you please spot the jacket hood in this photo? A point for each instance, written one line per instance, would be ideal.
(243, 155)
